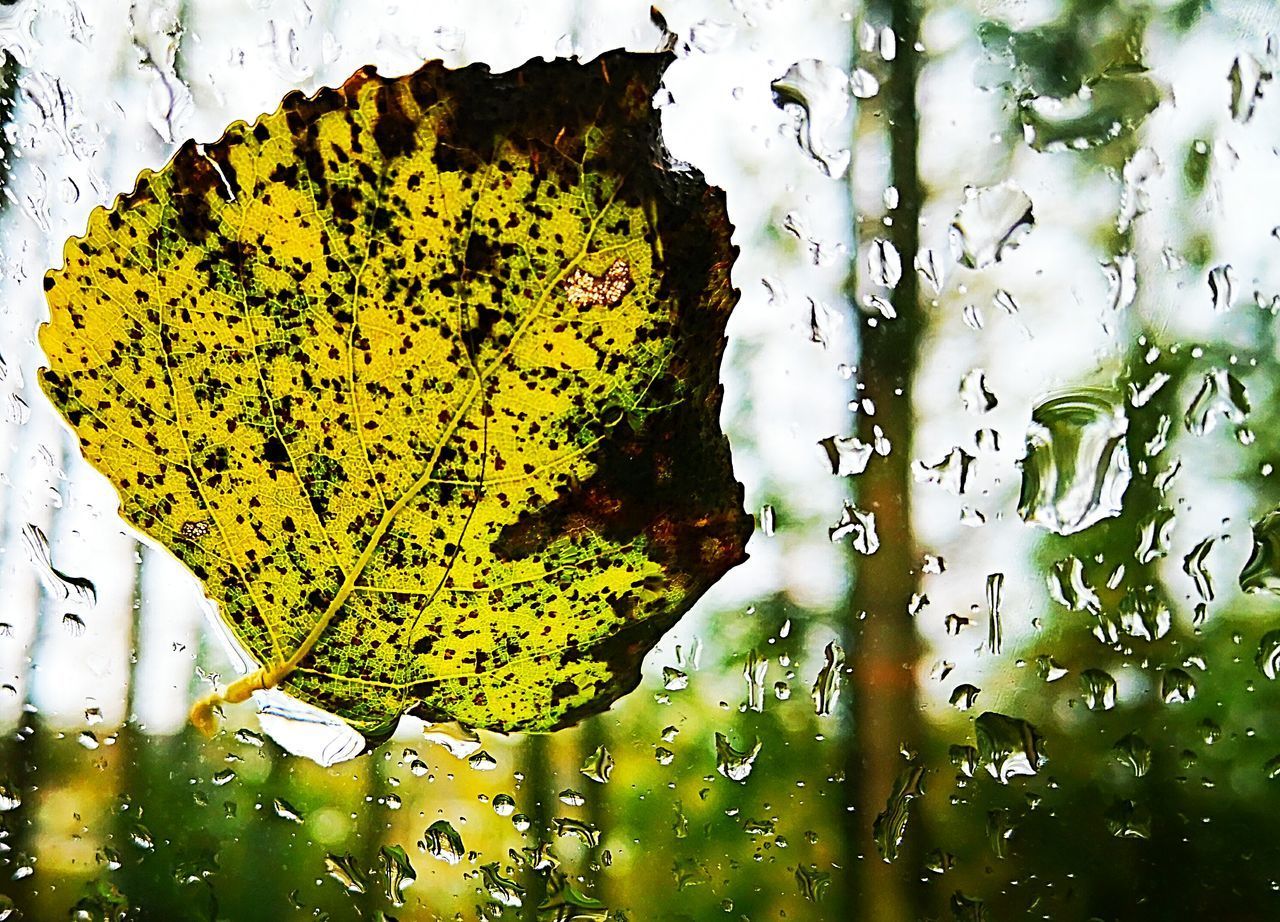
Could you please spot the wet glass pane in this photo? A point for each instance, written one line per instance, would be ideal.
(997, 390)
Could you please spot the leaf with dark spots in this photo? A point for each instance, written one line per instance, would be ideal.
(419, 375)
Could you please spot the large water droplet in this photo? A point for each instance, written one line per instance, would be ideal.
(826, 688)
(1177, 687)
(397, 873)
(1008, 746)
(848, 455)
(1262, 570)
(1099, 689)
(991, 221)
(1268, 658)
(1133, 751)
(735, 764)
(1106, 107)
(598, 766)
(859, 526)
(951, 473)
(346, 871)
(1127, 820)
(74, 589)
(891, 825)
(501, 890)
(1076, 467)
(819, 94)
(443, 842)
(1221, 394)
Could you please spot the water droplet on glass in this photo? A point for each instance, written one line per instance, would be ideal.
(1262, 570)
(10, 798)
(863, 84)
(226, 776)
(1195, 565)
(88, 740)
(674, 679)
(992, 220)
(1105, 107)
(1247, 77)
(974, 394)
(754, 671)
(286, 810)
(1126, 820)
(847, 455)
(74, 624)
(1221, 394)
(1049, 669)
(1177, 687)
(1008, 746)
(598, 766)
(397, 873)
(860, 526)
(74, 589)
(1122, 281)
(963, 697)
(1268, 658)
(141, 837)
(826, 687)
(1133, 751)
(443, 843)
(1099, 689)
(483, 762)
(819, 94)
(884, 263)
(1154, 535)
(504, 805)
(501, 890)
(930, 269)
(951, 473)
(461, 742)
(1134, 197)
(1068, 587)
(735, 764)
(1220, 287)
(1076, 467)
(571, 798)
(891, 825)
(584, 832)
(768, 519)
(811, 882)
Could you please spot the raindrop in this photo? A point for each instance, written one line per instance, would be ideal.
(1076, 467)
(571, 798)
(755, 670)
(10, 798)
(1177, 687)
(1134, 198)
(1008, 746)
(1099, 689)
(991, 221)
(975, 395)
(891, 825)
(286, 810)
(141, 837)
(819, 94)
(598, 766)
(930, 270)
(735, 764)
(1262, 570)
(963, 697)
(674, 679)
(1000, 829)
(995, 627)
(1049, 669)
(1220, 287)
(584, 832)
(1268, 658)
(224, 777)
(1220, 394)
(483, 762)
(1068, 587)
(847, 454)
(1154, 535)
(397, 873)
(1126, 820)
(1195, 565)
(1143, 615)
(1122, 281)
(501, 890)
(442, 842)
(460, 741)
(88, 740)
(858, 524)
(768, 519)
(74, 624)
(504, 805)
(811, 882)
(1133, 751)
(863, 83)
(951, 473)
(1104, 108)
(1247, 77)
(884, 263)
(826, 687)
(74, 589)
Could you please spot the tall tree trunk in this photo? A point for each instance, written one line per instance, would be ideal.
(883, 646)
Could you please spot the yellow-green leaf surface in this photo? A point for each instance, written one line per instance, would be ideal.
(419, 377)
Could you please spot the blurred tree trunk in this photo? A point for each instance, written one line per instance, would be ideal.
(883, 646)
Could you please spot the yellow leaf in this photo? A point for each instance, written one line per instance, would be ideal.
(418, 376)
